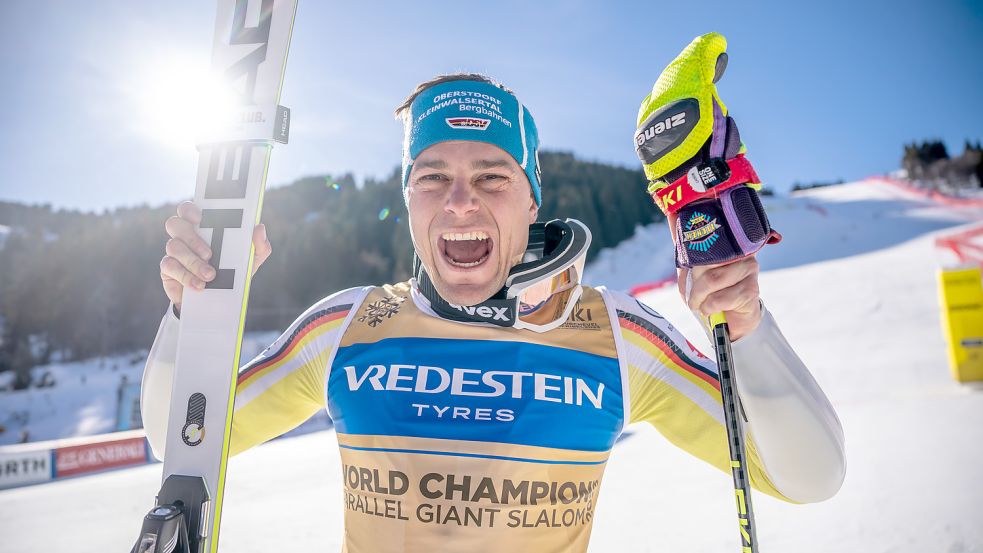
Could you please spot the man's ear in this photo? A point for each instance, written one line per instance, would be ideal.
(533, 209)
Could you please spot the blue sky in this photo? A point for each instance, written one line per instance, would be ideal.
(820, 90)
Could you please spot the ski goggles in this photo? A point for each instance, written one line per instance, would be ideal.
(475, 111)
(540, 293)
(714, 212)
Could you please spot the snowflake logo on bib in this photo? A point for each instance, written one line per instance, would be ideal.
(378, 311)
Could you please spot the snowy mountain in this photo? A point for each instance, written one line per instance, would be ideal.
(853, 287)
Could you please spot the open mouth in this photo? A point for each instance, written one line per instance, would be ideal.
(465, 249)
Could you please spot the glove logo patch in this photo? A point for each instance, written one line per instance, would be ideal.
(660, 127)
(701, 232)
(707, 175)
(665, 129)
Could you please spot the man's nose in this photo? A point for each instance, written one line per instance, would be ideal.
(461, 199)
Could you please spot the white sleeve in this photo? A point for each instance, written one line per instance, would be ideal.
(158, 376)
(798, 435)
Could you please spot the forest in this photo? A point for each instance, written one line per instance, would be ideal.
(76, 285)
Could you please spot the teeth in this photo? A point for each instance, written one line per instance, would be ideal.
(465, 265)
(474, 235)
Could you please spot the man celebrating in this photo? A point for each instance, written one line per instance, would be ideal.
(472, 411)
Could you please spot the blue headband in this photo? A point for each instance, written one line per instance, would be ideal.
(472, 110)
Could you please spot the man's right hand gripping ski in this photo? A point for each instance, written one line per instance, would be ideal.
(185, 263)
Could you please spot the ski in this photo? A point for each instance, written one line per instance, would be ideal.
(249, 57)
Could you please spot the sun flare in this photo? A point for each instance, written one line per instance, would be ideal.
(180, 102)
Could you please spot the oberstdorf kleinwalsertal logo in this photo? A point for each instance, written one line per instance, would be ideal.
(701, 232)
(475, 123)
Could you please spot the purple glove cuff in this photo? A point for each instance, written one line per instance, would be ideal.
(721, 229)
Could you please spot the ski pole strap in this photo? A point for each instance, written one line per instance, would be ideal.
(705, 180)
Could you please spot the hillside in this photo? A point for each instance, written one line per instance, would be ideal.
(74, 286)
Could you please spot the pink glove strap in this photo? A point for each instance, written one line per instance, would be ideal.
(690, 187)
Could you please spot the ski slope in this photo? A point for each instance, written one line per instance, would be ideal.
(82, 398)
(853, 288)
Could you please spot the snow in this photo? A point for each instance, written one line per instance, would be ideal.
(647, 256)
(853, 287)
(83, 399)
(817, 225)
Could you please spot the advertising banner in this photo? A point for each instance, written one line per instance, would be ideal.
(27, 467)
(79, 459)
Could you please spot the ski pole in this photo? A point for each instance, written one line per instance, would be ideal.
(701, 179)
(735, 432)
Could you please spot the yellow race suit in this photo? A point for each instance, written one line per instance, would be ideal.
(471, 437)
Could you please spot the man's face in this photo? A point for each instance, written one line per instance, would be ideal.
(470, 207)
